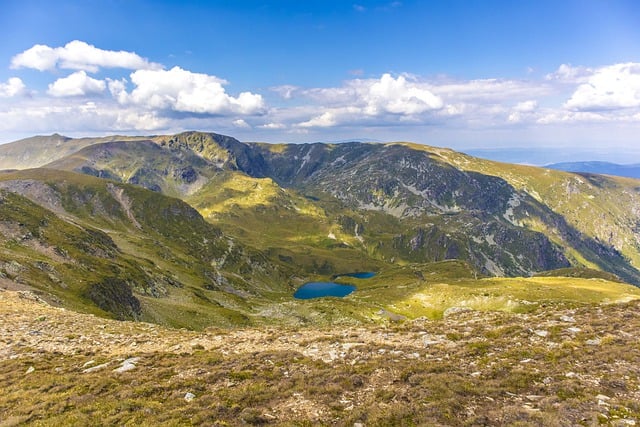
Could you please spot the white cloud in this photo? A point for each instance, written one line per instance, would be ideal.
(568, 117)
(14, 86)
(58, 115)
(485, 91)
(387, 95)
(398, 96)
(526, 106)
(118, 89)
(78, 55)
(240, 123)
(570, 74)
(613, 87)
(326, 119)
(274, 126)
(76, 84)
(285, 91)
(384, 99)
(522, 110)
(183, 91)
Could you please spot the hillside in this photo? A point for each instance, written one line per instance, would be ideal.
(559, 365)
(201, 229)
(85, 242)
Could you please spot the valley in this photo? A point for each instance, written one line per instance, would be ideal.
(198, 229)
(158, 279)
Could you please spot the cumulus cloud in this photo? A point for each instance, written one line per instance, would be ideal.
(570, 74)
(184, 91)
(379, 96)
(14, 86)
(240, 123)
(274, 126)
(326, 119)
(526, 106)
(286, 91)
(398, 96)
(58, 115)
(522, 110)
(613, 87)
(76, 84)
(367, 99)
(79, 55)
(489, 90)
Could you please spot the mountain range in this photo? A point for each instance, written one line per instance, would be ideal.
(605, 168)
(196, 228)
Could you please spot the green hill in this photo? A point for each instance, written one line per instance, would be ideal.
(197, 229)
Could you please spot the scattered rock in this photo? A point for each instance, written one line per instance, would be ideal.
(30, 370)
(428, 340)
(573, 330)
(567, 319)
(127, 365)
(541, 333)
(188, 397)
(595, 341)
(455, 310)
(95, 368)
(394, 317)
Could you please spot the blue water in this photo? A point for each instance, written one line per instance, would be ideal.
(323, 289)
(359, 275)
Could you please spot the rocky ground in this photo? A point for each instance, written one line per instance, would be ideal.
(559, 365)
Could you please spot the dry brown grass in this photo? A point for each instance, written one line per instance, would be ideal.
(473, 368)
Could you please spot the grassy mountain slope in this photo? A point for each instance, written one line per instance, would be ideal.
(143, 163)
(602, 208)
(262, 219)
(474, 209)
(182, 270)
(444, 213)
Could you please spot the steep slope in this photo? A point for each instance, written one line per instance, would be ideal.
(604, 210)
(384, 203)
(131, 252)
(482, 214)
(144, 163)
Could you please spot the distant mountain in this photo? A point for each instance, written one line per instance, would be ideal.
(605, 168)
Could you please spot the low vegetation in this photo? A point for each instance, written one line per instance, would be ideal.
(554, 365)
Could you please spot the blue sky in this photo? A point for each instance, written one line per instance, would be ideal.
(543, 80)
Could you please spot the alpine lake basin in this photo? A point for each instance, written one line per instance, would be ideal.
(330, 289)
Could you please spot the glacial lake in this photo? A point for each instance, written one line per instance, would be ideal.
(330, 289)
(323, 289)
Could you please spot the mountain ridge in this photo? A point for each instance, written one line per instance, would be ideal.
(284, 214)
(597, 167)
